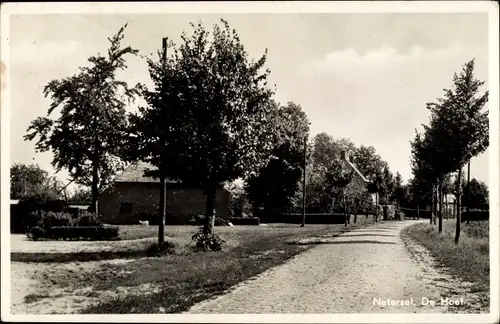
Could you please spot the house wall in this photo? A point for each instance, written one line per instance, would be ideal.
(143, 200)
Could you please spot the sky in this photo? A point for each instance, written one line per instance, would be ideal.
(366, 77)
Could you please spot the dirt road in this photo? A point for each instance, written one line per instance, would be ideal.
(362, 271)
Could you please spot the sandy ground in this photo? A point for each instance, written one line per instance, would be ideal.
(353, 273)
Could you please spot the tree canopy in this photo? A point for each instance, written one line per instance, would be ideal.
(87, 137)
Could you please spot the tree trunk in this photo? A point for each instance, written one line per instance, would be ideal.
(95, 178)
(432, 204)
(209, 210)
(440, 194)
(163, 210)
(459, 193)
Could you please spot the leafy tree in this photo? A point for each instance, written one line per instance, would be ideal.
(216, 128)
(475, 194)
(87, 137)
(81, 195)
(275, 185)
(31, 179)
(399, 192)
(458, 129)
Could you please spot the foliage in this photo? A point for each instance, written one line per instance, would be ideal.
(31, 179)
(48, 219)
(275, 185)
(81, 195)
(457, 131)
(208, 112)
(87, 137)
(476, 195)
(88, 219)
(208, 241)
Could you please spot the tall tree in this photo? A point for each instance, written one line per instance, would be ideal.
(87, 137)
(219, 124)
(458, 129)
(275, 185)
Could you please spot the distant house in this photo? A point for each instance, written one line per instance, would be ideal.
(134, 197)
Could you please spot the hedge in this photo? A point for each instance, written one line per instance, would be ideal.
(245, 220)
(82, 232)
(475, 215)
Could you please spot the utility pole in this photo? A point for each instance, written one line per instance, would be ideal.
(304, 185)
(163, 189)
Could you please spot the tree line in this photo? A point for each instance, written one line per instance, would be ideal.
(210, 118)
(457, 131)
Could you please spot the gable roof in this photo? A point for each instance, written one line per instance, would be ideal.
(135, 172)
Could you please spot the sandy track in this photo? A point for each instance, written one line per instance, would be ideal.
(345, 274)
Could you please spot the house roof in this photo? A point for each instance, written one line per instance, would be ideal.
(135, 172)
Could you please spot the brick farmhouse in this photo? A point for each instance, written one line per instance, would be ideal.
(134, 196)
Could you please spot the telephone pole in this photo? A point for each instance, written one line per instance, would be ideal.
(304, 185)
(163, 187)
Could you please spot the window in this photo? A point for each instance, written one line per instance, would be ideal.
(126, 208)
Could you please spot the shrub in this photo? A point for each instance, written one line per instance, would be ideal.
(37, 233)
(207, 242)
(85, 232)
(156, 250)
(47, 219)
(87, 219)
(245, 220)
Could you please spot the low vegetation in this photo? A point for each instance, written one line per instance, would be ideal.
(469, 259)
(184, 274)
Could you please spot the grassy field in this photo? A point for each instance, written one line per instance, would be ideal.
(190, 277)
(469, 259)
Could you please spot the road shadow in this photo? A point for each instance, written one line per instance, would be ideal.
(373, 230)
(375, 234)
(341, 242)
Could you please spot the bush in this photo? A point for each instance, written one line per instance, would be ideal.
(88, 219)
(47, 219)
(207, 242)
(156, 250)
(245, 220)
(37, 233)
(85, 232)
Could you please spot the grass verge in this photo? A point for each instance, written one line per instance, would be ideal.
(188, 279)
(469, 259)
